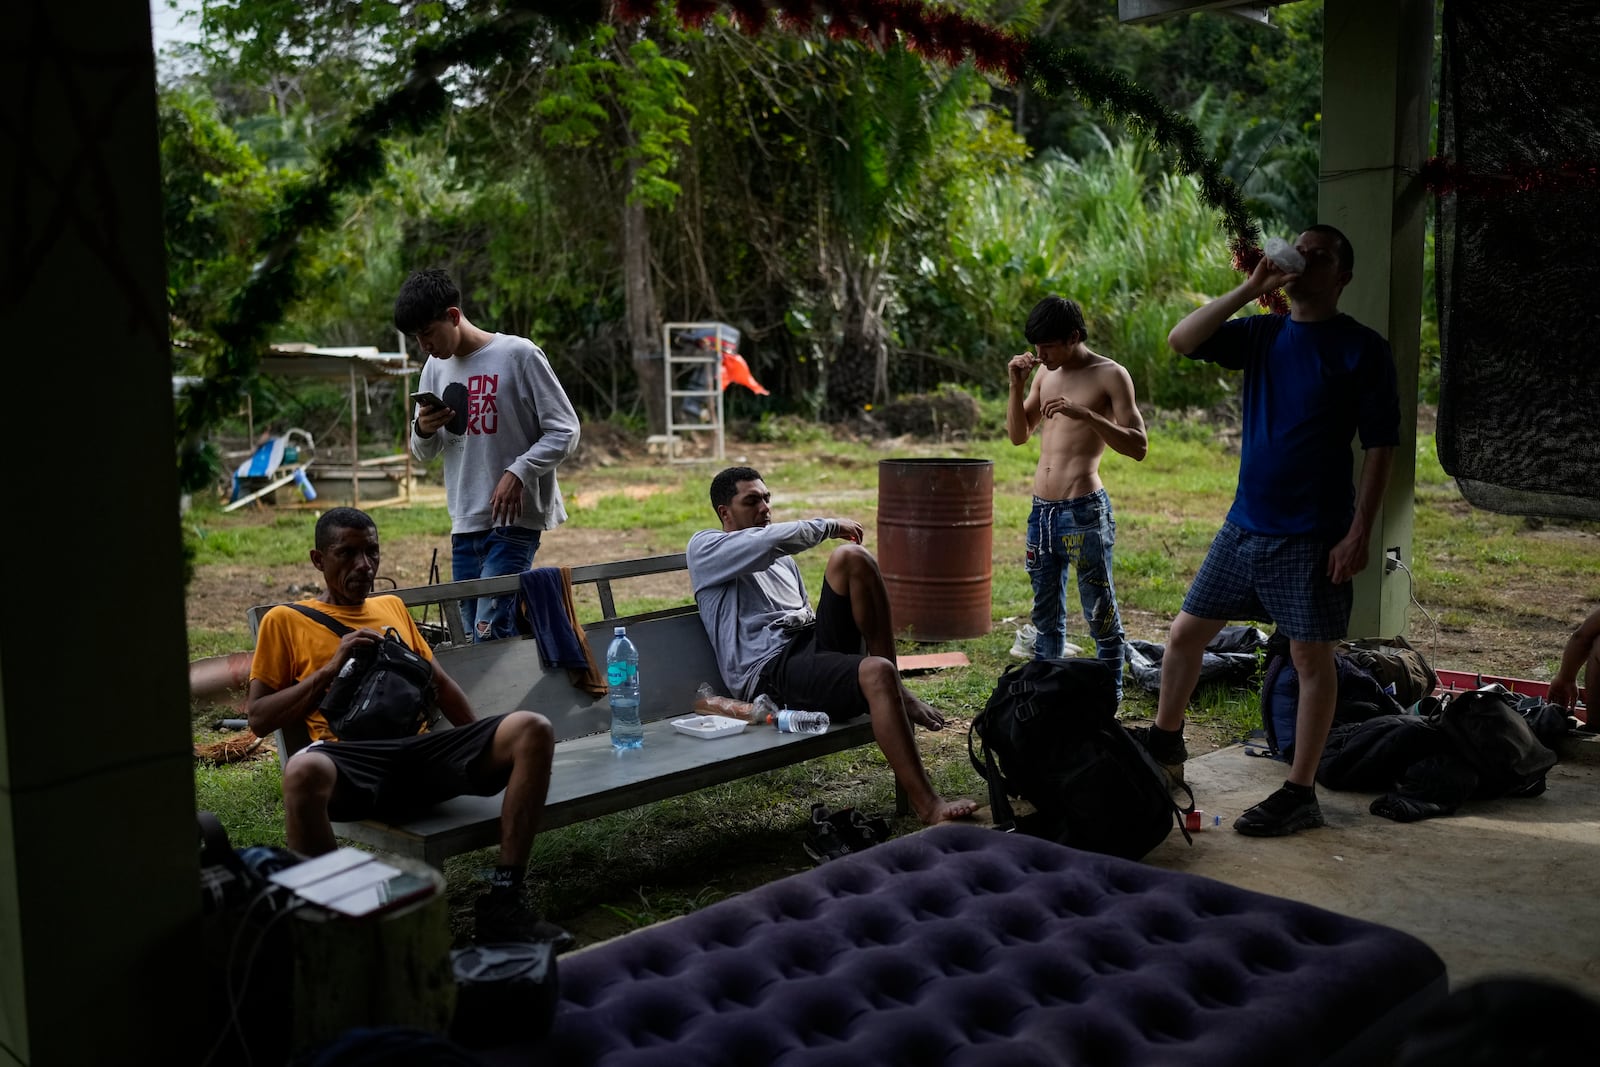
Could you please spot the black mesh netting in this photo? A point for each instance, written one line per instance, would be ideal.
(1518, 272)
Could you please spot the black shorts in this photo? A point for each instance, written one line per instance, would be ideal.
(394, 780)
(820, 670)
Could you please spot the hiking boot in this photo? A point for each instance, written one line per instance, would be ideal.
(500, 915)
(1165, 748)
(1285, 812)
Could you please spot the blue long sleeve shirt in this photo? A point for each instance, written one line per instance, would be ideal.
(750, 593)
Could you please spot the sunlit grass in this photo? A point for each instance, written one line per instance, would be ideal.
(1468, 564)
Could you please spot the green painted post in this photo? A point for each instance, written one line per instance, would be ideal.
(1376, 82)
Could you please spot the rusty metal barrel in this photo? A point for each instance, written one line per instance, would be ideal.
(936, 545)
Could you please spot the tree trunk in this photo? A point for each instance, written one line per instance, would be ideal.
(644, 317)
(389, 969)
(858, 371)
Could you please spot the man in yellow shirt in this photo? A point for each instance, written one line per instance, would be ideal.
(298, 657)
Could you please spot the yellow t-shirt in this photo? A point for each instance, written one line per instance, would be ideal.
(290, 647)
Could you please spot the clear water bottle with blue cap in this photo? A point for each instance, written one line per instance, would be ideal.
(622, 681)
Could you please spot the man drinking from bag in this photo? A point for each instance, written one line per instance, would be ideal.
(298, 657)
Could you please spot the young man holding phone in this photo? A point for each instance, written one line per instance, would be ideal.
(492, 405)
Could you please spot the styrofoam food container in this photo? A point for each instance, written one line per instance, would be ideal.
(708, 727)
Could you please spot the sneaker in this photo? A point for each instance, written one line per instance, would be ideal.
(868, 830)
(1022, 648)
(502, 916)
(1165, 748)
(1284, 812)
(823, 841)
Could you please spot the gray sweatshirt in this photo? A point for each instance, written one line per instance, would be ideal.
(518, 419)
(750, 593)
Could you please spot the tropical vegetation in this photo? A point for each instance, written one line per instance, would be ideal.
(873, 222)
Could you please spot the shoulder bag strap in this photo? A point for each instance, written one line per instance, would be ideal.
(1000, 810)
(339, 628)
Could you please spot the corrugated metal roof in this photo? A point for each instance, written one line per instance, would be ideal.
(1157, 10)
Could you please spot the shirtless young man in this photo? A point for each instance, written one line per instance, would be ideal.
(1086, 403)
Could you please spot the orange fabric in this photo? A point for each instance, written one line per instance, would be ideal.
(290, 646)
(593, 680)
(735, 371)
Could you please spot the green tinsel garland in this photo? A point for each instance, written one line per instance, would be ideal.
(230, 361)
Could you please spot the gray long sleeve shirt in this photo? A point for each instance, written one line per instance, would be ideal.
(518, 419)
(750, 593)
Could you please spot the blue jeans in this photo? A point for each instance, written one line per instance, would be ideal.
(489, 554)
(1075, 533)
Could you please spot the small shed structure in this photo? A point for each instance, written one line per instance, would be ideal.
(386, 477)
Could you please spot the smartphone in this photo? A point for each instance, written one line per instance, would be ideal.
(402, 887)
(427, 400)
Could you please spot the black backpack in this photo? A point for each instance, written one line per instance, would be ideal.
(1496, 740)
(1360, 696)
(383, 691)
(1050, 735)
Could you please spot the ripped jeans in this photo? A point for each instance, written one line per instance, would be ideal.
(1075, 533)
(489, 554)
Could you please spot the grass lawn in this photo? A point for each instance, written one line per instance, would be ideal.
(1502, 593)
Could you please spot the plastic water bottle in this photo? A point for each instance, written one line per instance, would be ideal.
(622, 677)
(791, 721)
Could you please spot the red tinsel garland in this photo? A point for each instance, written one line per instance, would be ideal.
(1246, 254)
(943, 35)
(937, 34)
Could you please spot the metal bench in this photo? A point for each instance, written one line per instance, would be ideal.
(589, 778)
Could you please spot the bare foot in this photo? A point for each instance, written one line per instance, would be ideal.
(922, 714)
(948, 811)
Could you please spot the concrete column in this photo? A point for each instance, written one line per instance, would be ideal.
(99, 892)
(1376, 83)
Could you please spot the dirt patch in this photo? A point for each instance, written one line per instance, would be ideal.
(1515, 630)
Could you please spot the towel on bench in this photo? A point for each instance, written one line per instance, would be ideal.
(545, 610)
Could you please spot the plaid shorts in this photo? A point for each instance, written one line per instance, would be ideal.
(1283, 580)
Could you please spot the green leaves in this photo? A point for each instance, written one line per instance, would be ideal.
(651, 93)
(638, 85)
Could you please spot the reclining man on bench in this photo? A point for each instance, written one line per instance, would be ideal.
(754, 607)
(297, 657)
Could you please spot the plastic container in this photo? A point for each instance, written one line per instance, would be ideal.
(1197, 820)
(790, 721)
(622, 680)
(708, 727)
(1284, 255)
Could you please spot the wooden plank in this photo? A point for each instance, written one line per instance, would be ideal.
(1463, 681)
(932, 661)
(590, 779)
(674, 658)
(591, 573)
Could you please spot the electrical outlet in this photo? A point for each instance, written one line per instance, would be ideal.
(1391, 560)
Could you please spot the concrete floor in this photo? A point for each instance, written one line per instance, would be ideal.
(1502, 887)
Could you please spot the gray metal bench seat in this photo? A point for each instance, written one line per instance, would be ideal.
(589, 778)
